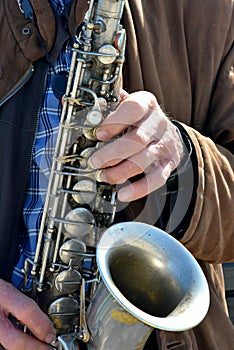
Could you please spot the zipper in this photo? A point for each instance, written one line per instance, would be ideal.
(19, 85)
(43, 85)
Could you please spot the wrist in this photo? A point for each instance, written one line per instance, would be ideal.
(181, 185)
(186, 142)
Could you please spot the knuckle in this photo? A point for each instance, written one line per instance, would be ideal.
(158, 150)
(143, 136)
(141, 102)
(145, 98)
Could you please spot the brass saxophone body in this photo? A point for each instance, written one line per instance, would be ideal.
(104, 286)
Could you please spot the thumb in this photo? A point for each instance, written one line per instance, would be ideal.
(26, 311)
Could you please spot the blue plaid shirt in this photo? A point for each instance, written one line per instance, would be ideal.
(41, 161)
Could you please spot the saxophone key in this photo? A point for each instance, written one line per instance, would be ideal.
(64, 312)
(79, 224)
(84, 191)
(72, 252)
(68, 281)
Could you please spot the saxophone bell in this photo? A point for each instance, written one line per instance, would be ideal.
(150, 280)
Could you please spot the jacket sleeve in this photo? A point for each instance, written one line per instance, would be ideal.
(210, 235)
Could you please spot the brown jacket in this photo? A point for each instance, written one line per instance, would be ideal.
(182, 51)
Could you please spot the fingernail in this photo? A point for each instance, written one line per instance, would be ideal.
(94, 163)
(100, 176)
(101, 134)
(124, 195)
(50, 338)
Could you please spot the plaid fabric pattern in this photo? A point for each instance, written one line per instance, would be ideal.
(59, 5)
(41, 160)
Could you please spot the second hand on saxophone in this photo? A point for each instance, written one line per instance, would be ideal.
(78, 208)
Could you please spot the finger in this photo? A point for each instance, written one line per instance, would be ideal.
(12, 338)
(153, 180)
(27, 311)
(124, 147)
(153, 128)
(133, 108)
(118, 150)
(133, 166)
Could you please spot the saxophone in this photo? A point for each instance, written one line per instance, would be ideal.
(77, 208)
(89, 276)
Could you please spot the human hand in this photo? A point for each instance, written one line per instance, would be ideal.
(26, 311)
(149, 145)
